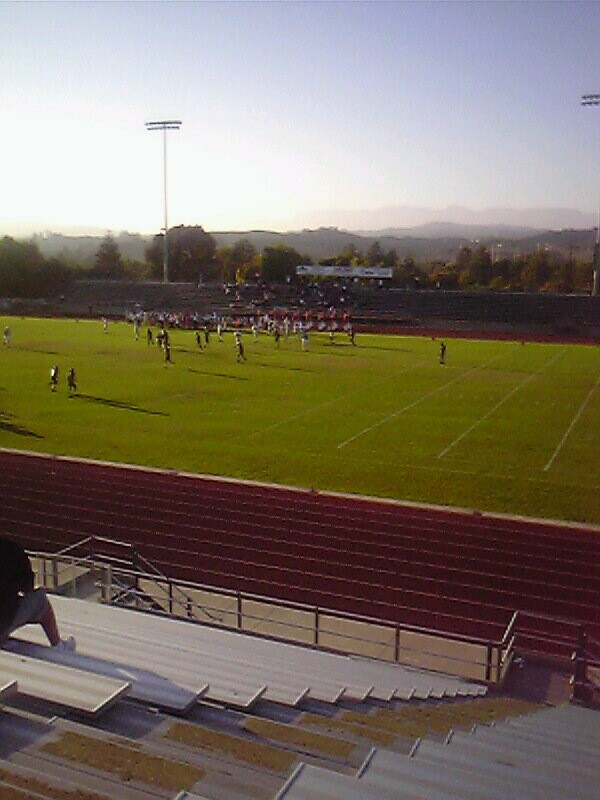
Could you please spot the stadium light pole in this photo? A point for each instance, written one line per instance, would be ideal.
(164, 126)
(594, 100)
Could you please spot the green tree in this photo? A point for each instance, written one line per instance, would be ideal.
(391, 259)
(136, 270)
(245, 260)
(223, 257)
(583, 276)
(445, 276)
(349, 257)
(155, 254)
(408, 273)
(192, 255)
(280, 262)
(108, 262)
(502, 272)
(240, 260)
(536, 270)
(463, 258)
(375, 255)
(481, 266)
(25, 273)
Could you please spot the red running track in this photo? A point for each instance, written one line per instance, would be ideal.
(454, 571)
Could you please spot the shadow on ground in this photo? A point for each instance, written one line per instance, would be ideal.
(118, 404)
(539, 682)
(10, 427)
(218, 375)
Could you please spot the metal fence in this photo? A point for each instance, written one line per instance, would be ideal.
(113, 572)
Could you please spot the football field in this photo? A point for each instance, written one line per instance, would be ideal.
(502, 426)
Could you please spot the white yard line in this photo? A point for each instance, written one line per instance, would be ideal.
(500, 403)
(330, 402)
(452, 470)
(414, 403)
(572, 425)
(400, 411)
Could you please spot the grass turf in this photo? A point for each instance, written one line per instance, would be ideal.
(500, 427)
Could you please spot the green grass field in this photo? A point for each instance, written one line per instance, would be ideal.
(501, 427)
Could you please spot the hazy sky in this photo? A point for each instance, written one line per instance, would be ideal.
(293, 110)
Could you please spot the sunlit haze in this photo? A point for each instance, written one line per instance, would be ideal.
(294, 113)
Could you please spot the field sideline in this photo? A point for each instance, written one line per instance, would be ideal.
(501, 427)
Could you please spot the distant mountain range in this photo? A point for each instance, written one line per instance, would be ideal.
(398, 219)
(426, 234)
(328, 242)
(426, 243)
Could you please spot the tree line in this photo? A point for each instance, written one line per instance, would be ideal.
(195, 258)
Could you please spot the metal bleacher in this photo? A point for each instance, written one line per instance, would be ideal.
(229, 668)
(155, 707)
(188, 695)
(552, 754)
(54, 683)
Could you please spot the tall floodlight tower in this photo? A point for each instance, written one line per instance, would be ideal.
(164, 126)
(594, 100)
(596, 279)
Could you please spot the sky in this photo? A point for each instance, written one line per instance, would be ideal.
(294, 114)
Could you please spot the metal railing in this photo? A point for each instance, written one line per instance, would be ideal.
(121, 560)
(124, 577)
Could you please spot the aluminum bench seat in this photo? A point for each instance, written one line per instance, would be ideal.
(215, 653)
(328, 672)
(63, 685)
(548, 776)
(146, 685)
(315, 783)
(361, 677)
(53, 780)
(517, 751)
(96, 647)
(239, 669)
(554, 731)
(114, 638)
(433, 763)
(438, 780)
(576, 722)
(540, 740)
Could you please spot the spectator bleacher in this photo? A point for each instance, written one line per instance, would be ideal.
(576, 315)
(503, 312)
(550, 754)
(264, 720)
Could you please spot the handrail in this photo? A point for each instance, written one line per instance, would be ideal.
(91, 540)
(71, 547)
(237, 596)
(548, 617)
(175, 594)
(135, 560)
(509, 631)
(190, 607)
